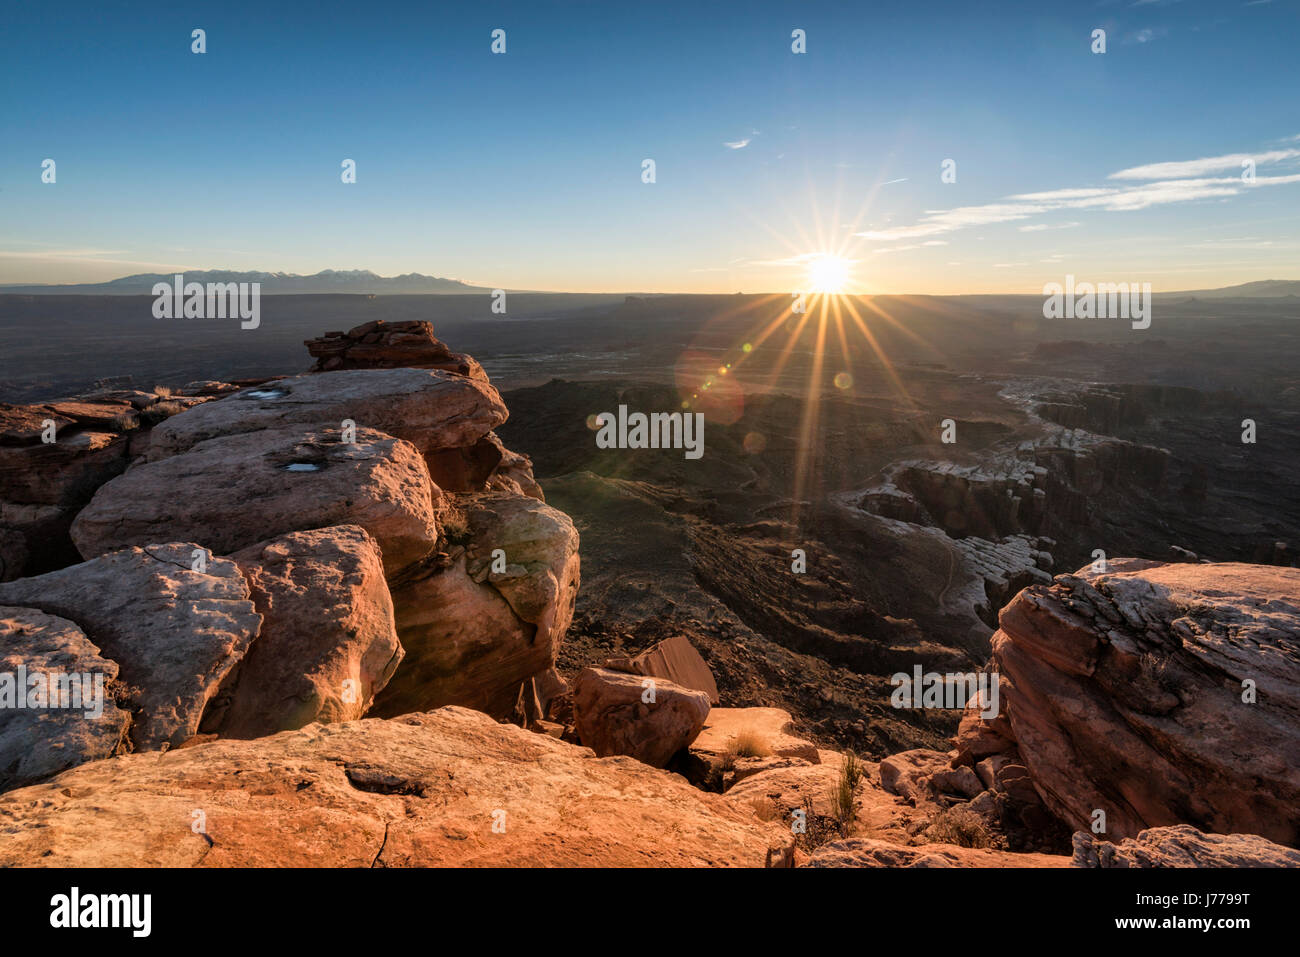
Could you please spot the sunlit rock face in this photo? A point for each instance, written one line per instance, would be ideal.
(329, 491)
(1157, 694)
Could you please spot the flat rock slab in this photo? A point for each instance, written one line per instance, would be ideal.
(675, 659)
(232, 492)
(420, 791)
(174, 632)
(70, 723)
(429, 408)
(769, 728)
(327, 643)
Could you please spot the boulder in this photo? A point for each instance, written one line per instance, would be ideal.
(464, 644)
(513, 473)
(429, 408)
(675, 659)
(234, 491)
(327, 642)
(174, 632)
(1182, 846)
(389, 345)
(71, 721)
(777, 792)
(450, 788)
(476, 624)
(979, 737)
(1162, 694)
(908, 774)
(538, 547)
(617, 713)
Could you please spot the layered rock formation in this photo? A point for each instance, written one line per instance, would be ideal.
(389, 345)
(329, 491)
(1157, 694)
(1182, 846)
(53, 457)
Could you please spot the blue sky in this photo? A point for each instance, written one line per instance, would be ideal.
(524, 170)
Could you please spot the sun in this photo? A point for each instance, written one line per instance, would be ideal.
(828, 274)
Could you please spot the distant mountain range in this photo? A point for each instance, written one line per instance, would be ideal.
(365, 282)
(355, 281)
(1263, 289)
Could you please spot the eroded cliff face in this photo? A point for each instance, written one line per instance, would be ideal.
(1153, 694)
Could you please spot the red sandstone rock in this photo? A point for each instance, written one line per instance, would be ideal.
(617, 713)
(1124, 693)
(431, 409)
(421, 791)
(389, 345)
(327, 643)
(174, 632)
(675, 659)
(1182, 846)
(866, 852)
(36, 743)
(230, 492)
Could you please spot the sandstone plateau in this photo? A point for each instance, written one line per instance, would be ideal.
(330, 613)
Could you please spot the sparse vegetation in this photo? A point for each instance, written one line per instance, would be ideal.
(749, 743)
(844, 796)
(455, 529)
(958, 826)
(820, 828)
(1154, 671)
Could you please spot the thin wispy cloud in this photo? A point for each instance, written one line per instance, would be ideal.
(1184, 187)
(1043, 227)
(1201, 167)
(738, 144)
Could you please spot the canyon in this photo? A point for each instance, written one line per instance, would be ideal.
(309, 632)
